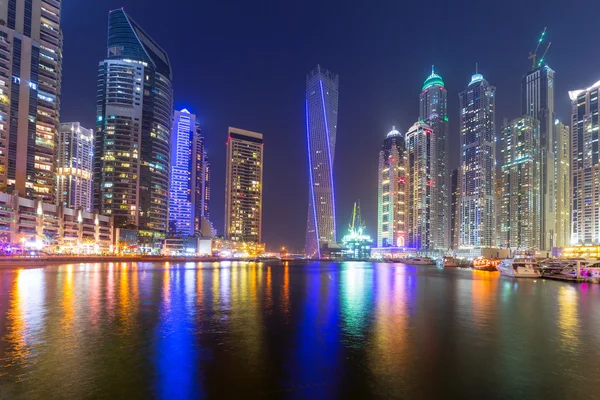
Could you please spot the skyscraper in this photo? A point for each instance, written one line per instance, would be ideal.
(243, 187)
(478, 163)
(134, 117)
(454, 208)
(585, 166)
(31, 48)
(201, 179)
(562, 155)
(186, 198)
(421, 153)
(521, 177)
(392, 194)
(321, 129)
(433, 111)
(537, 101)
(74, 166)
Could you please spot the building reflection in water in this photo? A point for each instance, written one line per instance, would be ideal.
(315, 364)
(175, 350)
(233, 330)
(24, 320)
(568, 318)
(357, 290)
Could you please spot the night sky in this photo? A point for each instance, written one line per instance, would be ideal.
(243, 64)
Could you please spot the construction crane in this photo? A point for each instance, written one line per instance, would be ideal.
(533, 56)
(356, 224)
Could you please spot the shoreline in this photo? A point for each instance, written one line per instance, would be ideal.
(33, 262)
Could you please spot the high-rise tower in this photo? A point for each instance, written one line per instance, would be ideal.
(187, 185)
(585, 166)
(454, 208)
(243, 187)
(74, 166)
(537, 101)
(478, 163)
(30, 83)
(433, 111)
(562, 154)
(321, 129)
(392, 195)
(520, 215)
(421, 153)
(134, 117)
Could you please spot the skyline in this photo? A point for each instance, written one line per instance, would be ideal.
(221, 92)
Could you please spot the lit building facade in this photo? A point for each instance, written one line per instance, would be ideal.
(243, 186)
(454, 208)
(181, 193)
(30, 84)
(562, 154)
(74, 166)
(134, 117)
(585, 166)
(392, 192)
(521, 177)
(433, 107)
(478, 163)
(537, 101)
(321, 129)
(30, 224)
(421, 156)
(190, 177)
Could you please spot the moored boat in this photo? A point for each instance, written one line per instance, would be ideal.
(486, 264)
(450, 262)
(419, 261)
(520, 268)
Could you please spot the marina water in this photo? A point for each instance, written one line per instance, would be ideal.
(322, 330)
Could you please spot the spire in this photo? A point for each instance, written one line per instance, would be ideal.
(433, 79)
(477, 76)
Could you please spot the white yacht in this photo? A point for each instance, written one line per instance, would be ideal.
(419, 261)
(520, 268)
(450, 261)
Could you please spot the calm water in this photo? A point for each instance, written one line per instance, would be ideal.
(243, 330)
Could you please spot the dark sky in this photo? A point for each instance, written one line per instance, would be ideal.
(243, 63)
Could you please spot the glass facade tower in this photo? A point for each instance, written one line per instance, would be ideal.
(421, 154)
(134, 117)
(537, 101)
(478, 163)
(74, 166)
(321, 130)
(433, 105)
(585, 167)
(392, 183)
(181, 208)
(520, 214)
(243, 186)
(30, 84)
(187, 202)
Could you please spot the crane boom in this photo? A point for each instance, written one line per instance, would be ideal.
(533, 56)
(544, 55)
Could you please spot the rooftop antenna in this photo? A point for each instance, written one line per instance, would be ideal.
(476, 68)
(432, 73)
(533, 56)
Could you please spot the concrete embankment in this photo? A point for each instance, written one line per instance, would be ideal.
(37, 262)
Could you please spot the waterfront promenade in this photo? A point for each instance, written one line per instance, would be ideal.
(35, 262)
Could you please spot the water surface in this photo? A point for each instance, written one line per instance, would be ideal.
(246, 330)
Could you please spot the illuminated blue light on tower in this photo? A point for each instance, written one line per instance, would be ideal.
(321, 129)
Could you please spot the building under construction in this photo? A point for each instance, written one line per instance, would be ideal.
(357, 244)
